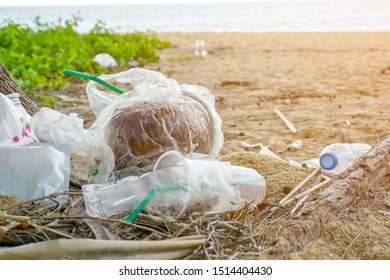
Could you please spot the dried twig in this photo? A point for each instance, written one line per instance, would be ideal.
(285, 120)
(53, 195)
(310, 190)
(300, 185)
(350, 244)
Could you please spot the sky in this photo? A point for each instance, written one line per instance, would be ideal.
(109, 2)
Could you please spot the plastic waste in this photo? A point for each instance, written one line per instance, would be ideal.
(156, 116)
(15, 98)
(105, 60)
(93, 78)
(15, 129)
(200, 49)
(297, 144)
(32, 171)
(191, 183)
(337, 157)
(92, 159)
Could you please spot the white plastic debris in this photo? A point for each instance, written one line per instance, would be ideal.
(33, 171)
(297, 144)
(191, 183)
(105, 60)
(89, 155)
(264, 150)
(15, 129)
(200, 49)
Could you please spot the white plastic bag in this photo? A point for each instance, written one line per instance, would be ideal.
(32, 171)
(15, 129)
(89, 156)
(156, 116)
(137, 77)
(105, 60)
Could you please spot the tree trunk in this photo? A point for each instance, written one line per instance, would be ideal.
(350, 185)
(8, 86)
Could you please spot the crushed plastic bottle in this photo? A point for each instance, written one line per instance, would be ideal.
(200, 49)
(337, 157)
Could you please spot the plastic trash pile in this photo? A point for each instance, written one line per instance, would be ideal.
(154, 145)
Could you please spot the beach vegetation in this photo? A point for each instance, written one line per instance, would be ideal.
(181, 57)
(36, 54)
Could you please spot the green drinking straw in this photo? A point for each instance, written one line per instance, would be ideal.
(93, 78)
(148, 197)
(141, 205)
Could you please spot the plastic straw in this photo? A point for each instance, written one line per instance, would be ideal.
(93, 78)
(165, 189)
(149, 197)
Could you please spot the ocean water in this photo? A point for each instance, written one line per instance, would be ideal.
(279, 15)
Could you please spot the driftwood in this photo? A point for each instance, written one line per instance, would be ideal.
(89, 249)
(8, 86)
(350, 185)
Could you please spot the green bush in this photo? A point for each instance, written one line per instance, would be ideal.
(36, 55)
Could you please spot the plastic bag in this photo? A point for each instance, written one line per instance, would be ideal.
(91, 159)
(156, 116)
(32, 171)
(15, 129)
(105, 60)
(136, 77)
(195, 183)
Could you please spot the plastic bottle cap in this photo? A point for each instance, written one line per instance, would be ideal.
(328, 161)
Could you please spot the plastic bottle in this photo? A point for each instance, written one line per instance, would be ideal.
(200, 49)
(15, 97)
(338, 157)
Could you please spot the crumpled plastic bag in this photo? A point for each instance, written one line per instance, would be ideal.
(91, 159)
(15, 129)
(156, 116)
(105, 60)
(33, 171)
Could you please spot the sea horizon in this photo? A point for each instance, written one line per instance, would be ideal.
(280, 16)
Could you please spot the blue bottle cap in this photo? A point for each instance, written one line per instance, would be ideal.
(328, 161)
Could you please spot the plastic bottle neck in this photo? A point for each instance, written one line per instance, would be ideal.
(328, 161)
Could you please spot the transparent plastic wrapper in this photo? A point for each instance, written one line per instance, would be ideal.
(91, 158)
(32, 171)
(195, 183)
(156, 116)
(15, 129)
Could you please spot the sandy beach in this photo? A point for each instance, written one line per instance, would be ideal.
(333, 87)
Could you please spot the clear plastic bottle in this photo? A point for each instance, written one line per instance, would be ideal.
(200, 49)
(15, 97)
(338, 157)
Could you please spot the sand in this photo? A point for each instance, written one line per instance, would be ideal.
(333, 87)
